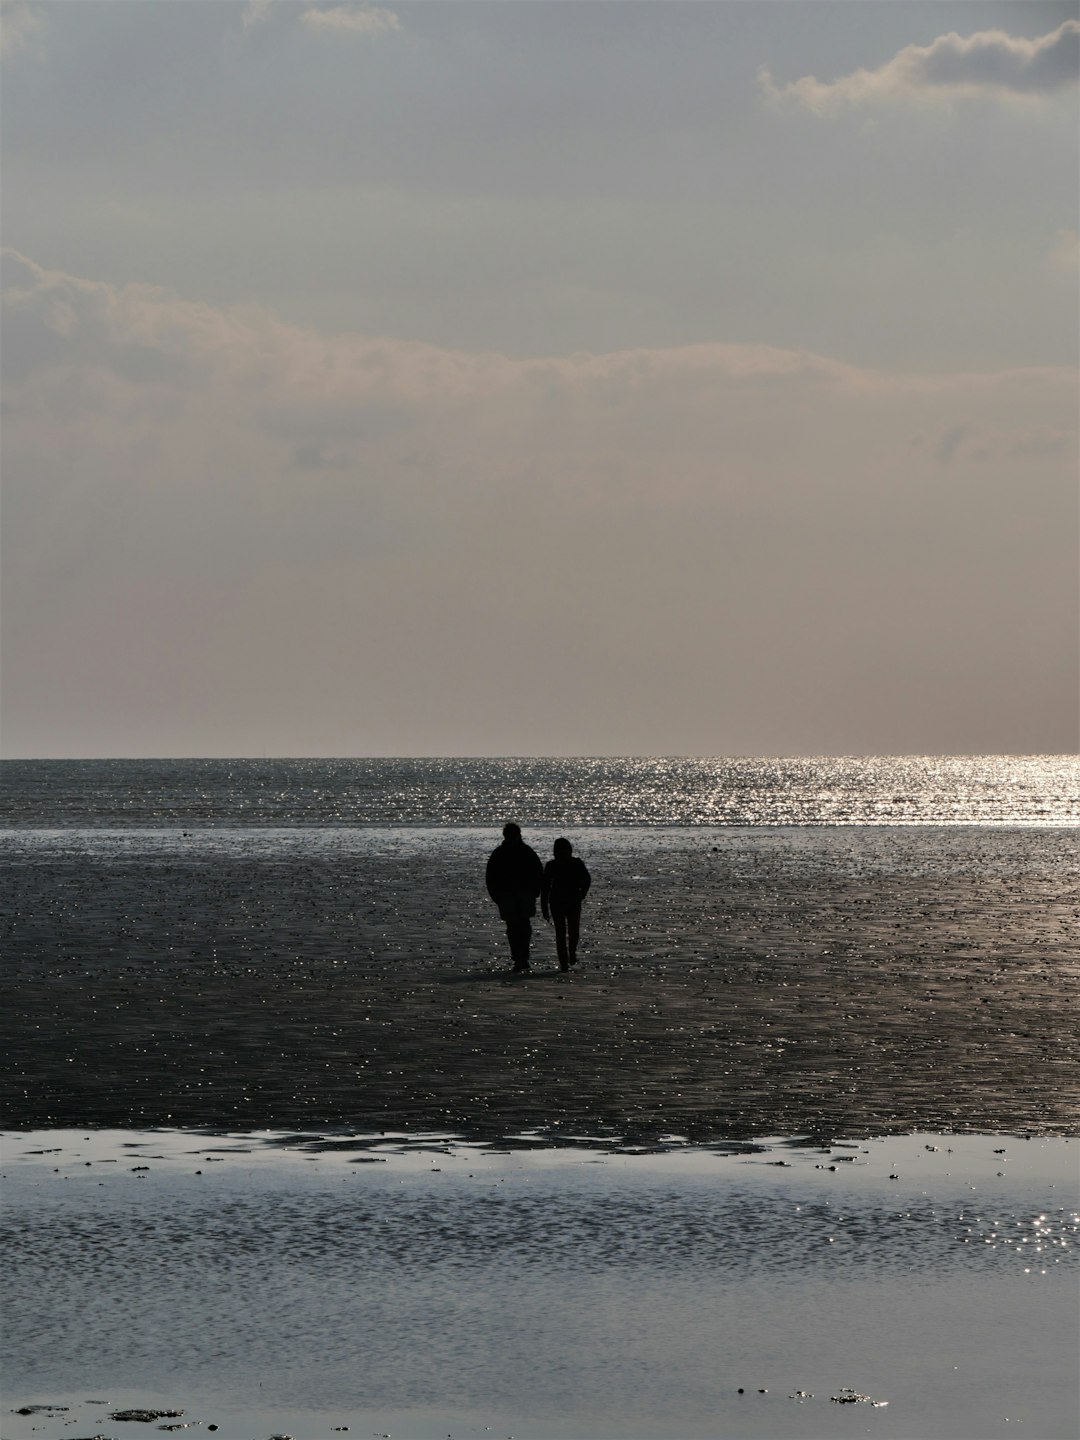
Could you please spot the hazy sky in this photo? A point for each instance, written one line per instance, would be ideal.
(559, 378)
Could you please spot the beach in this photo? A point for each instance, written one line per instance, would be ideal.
(790, 1153)
(732, 983)
(421, 1287)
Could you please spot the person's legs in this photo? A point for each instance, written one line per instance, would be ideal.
(573, 928)
(560, 939)
(519, 933)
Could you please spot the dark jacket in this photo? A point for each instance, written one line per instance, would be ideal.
(566, 883)
(514, 876)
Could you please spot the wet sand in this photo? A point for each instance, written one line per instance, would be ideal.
(414, 1286)
(732, 983)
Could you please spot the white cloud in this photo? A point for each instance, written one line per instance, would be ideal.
(21, 26)
(990, 63)
(351, 19)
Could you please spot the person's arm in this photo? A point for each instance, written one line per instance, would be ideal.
(545, 892)
(586, 879)
(490, 875)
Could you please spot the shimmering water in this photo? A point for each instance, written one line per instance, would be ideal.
(430, 1288)
(441, 1289)
(937, 790)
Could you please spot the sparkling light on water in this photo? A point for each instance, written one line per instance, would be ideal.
(934, 790)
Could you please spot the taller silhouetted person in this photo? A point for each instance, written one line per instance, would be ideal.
(566, 883)
(514, 877)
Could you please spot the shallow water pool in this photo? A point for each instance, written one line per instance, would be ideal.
(424, 1287)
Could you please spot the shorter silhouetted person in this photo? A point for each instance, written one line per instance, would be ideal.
(514, 877)
(566, 883)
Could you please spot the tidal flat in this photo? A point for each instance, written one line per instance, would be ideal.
(792, 1153)
(733, 983)
(297, 1283)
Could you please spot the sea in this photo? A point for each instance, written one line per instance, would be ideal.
(1003, 790)
(429, 1284)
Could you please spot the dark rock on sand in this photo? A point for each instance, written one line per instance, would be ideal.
(145, 1417)
(849, 1396)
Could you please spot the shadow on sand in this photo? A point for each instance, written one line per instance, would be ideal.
(505, 977)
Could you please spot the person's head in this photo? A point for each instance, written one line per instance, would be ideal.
(512, 833)
(563, 849)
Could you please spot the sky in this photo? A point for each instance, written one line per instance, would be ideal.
(539, 378)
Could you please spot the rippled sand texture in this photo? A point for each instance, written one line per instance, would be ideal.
(429, 1289)
(733, 983)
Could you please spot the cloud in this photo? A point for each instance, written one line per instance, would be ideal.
(315, 397)
(1065, 254)
(313, 456)
(224, 531)
(256, 12)
(351, 19)
(21, 25)
(950, 443)
(1039, 445)
(990, 63)
(985, 442)
(345, 19)
(53, 317)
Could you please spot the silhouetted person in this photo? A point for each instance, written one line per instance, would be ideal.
(566, 883)
(514, 877)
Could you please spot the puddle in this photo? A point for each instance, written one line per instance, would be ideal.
(420, 1285)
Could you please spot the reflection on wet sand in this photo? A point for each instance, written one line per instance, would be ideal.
(259, 1279)
(735, 983)
(401, 1250)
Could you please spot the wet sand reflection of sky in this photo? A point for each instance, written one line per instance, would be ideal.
(382, 1271)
